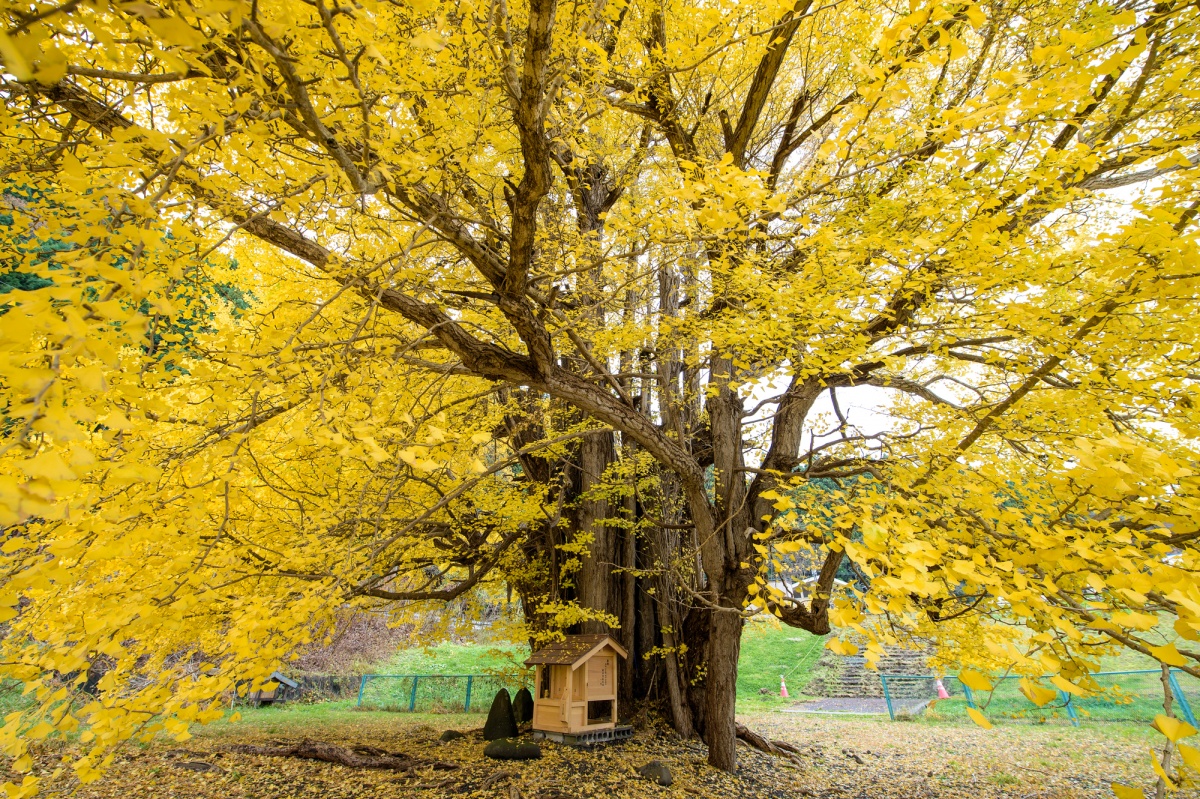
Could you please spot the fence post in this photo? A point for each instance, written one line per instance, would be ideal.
(1177, 689)
(967, 693)
(887, 696)
(467, 704)
(361, 686)
(1070, 706)
(412, 698)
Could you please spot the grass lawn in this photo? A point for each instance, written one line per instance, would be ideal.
(294, 718)
(1124, 696)
(1135, 698)
(448, 658)
(12, 697)
(444, 674)
(768, 650)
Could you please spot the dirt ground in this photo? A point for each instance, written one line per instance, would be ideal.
(919, 759)
(843, 757)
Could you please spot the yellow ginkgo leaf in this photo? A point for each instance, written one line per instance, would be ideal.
(1135, 621)
(1188, 628)
(14, 61)
(974, 680)
(979, 718)
(1126, 792)
(1038, 694)
(1191, 756)
(1160, 771)
(1174, 729)
(1168, 654)
(842, 647)
(1063, 684)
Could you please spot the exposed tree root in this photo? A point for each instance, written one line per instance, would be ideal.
(355, 757)
(492, 779)
(779, 748)
(438, 785)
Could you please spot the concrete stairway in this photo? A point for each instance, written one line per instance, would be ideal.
(838, 676)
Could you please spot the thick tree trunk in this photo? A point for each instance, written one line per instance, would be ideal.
(681, 714)
(724, 646)
(596, 574)
(645, 665)
(590, 185)
(692, 668)
(628, 612)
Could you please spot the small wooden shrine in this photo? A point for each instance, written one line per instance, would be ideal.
(576, 696)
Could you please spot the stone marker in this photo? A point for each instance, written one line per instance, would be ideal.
(657, 770)
(500, 720)
(504, 749)
(523, 706)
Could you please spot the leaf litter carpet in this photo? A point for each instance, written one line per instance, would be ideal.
(844, 758)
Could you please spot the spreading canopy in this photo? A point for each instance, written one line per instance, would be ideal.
(484, 238)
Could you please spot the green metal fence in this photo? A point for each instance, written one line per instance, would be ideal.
(432, 693)
(1123, 696)
(911, 694)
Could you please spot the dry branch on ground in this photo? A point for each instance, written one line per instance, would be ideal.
(358, 756)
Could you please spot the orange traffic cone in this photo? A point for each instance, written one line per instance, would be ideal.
(782, 687)
(941, 689)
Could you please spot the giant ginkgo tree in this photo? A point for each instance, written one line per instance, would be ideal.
(547, 294)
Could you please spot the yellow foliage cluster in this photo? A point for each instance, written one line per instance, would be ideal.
(472, 235)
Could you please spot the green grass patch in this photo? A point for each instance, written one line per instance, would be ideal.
(295, 719)
(1133, 699)
(11, 697)
(1124, 698)
(768, 650)
(439, 693)
(447, 678)
(448, 658)
(953, 713)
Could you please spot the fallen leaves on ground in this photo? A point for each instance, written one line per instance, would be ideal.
(859, 758)
(843, 758)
